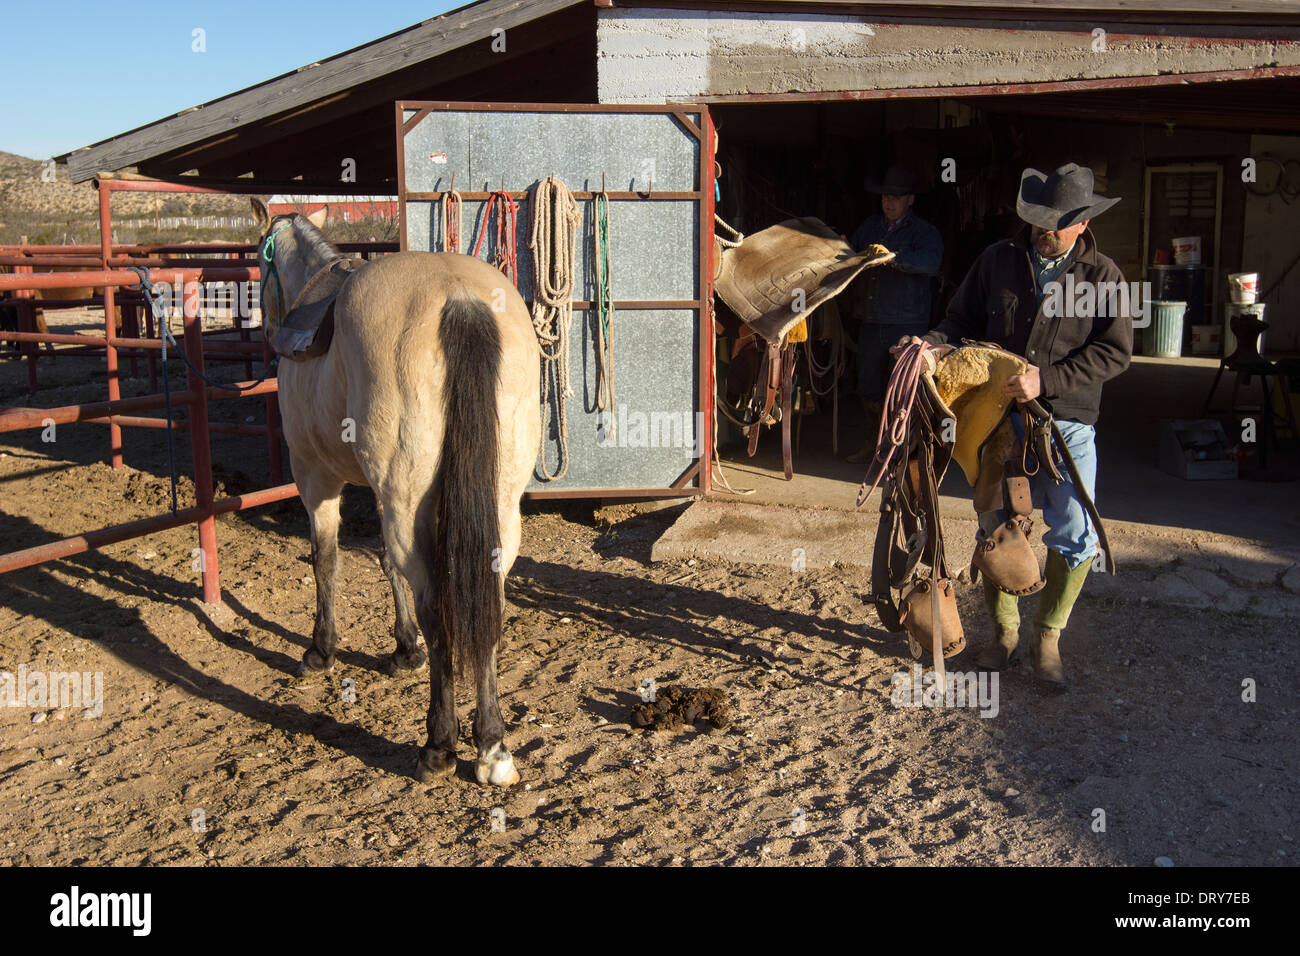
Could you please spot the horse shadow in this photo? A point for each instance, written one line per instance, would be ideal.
(40, 593)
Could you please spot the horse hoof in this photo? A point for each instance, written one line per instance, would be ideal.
(497, 768)
(313, 663)
(399, 664)
(434, 765)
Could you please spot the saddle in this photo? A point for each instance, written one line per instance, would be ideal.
(308, 329)
(773, 281)
(941, 407)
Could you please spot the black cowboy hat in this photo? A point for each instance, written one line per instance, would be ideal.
(1063, 199)
(899, 181)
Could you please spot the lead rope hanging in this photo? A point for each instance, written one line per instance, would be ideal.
(604, 314)
(505, 256)
(451, 222)
(555, 222)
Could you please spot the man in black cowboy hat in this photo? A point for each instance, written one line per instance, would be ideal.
(1011, 296)
(896, 298)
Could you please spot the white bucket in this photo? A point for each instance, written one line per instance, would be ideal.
(1187, 250)
(1243, 287)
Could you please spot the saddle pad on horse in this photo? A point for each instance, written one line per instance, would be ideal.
(308, 329)
(759, 279)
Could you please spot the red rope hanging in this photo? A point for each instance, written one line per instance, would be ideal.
(505, 255)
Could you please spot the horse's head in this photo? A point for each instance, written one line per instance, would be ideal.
(287, 250)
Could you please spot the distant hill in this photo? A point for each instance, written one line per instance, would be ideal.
(60, 212)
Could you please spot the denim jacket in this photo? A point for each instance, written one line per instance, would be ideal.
(899, 293)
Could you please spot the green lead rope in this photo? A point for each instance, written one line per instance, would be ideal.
(604, 314)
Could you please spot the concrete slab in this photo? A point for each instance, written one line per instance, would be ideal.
(795, 538)
(1156, 564)
(1131, 489)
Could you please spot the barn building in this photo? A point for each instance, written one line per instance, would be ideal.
(1190, 112)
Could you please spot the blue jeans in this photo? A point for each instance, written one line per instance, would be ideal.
(874, 361)
(1069, 529)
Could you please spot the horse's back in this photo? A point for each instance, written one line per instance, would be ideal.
(388, 357)
(403, 294)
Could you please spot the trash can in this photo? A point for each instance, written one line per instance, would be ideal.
(1164, 337)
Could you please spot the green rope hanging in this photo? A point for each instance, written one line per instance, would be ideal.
(604, 315)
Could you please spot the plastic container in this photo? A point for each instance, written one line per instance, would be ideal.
(1196, 449)
(1182, 284)
(1243, 288)
(1164, 337)
(1206, 339)
(1187, 250)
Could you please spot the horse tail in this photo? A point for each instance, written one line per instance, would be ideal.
(466, 523)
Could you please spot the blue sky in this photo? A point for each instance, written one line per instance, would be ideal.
(78, 72)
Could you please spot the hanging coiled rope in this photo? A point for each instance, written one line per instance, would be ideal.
(555, 222)
(604, 315)
(451, 221)
(505, 255)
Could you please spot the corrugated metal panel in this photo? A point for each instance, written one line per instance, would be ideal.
(655, 244)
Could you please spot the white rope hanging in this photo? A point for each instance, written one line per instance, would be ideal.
(727, 243)
(555, 222)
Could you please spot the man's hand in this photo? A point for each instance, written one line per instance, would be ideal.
(939, 351)
(1023, 387)
(904, 342)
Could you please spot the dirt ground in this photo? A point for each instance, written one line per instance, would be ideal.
(209, 751)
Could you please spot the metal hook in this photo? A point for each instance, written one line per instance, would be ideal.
(453, 181)
(602, 182)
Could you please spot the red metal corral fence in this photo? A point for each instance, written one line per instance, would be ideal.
(112, 268)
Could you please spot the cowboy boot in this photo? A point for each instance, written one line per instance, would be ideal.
(1005, 611)
(1061, 591)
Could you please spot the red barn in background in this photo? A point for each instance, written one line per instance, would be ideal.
(346, 208)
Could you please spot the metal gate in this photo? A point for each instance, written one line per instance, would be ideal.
(655, 164)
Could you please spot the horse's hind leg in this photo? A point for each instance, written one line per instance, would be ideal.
(409, 656)
(495, 764)
(320, 494)
(438, 755)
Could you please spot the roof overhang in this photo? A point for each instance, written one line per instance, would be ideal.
(284, 104)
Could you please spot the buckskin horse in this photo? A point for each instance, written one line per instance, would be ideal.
(428, 394)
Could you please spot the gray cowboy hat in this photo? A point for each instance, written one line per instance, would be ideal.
(898, 181)
(1063, 199)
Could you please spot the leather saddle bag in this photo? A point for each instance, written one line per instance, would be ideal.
(918, 617)
(1007, 558)
(1005, 555)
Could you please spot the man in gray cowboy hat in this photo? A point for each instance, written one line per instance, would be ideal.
(896, 299)
(1011, 297)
